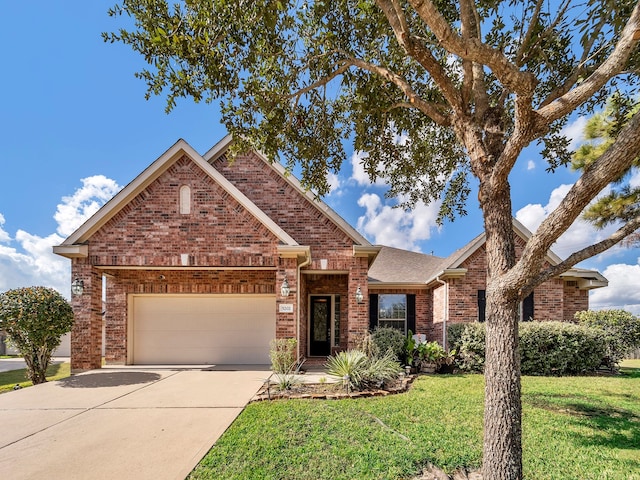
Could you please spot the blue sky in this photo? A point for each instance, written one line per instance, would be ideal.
(75, 127)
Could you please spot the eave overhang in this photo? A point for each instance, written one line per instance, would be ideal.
(369, 251)
(72, 251)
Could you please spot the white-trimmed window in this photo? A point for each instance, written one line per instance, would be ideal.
(392, 311)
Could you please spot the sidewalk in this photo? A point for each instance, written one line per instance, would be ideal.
(8, 364)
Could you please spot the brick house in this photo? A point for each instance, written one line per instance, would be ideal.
(199, 261)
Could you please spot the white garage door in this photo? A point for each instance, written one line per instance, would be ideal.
(202, 329)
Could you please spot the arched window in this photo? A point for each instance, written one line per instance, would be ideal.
(185, 200)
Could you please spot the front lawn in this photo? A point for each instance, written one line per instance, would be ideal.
(10, 379)
(573, 427)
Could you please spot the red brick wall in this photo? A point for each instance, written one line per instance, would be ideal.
(575, 300)
(86, 334)
(150, 231)
(296, 214)
(552, 299)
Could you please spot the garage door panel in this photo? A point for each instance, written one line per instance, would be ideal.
(185, 329)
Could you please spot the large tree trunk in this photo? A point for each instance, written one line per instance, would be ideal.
(502, 455)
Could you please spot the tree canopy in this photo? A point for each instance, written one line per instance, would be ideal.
(436, 92)
(35, 319)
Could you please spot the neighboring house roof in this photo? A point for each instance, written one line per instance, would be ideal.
(400, 267)
(223, 145)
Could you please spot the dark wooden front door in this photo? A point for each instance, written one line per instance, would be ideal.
(320, 326)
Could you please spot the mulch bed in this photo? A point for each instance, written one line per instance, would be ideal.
(329, 391)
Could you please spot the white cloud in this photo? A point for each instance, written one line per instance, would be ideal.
(28, 260)
(624, 279)
(396, 227)
(578, 236)
(86, 201)
(358, 172)
(334, 183)
(4, 236)
(531, 165)
(623, 291)
(574, 131)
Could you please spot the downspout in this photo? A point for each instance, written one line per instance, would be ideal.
(299, 287)
(446, 311)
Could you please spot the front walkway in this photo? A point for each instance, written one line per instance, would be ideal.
(121, 423)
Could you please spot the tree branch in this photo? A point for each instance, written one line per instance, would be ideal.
(521, 83)
(414, 47)
(579, 70)
(346, 65)
(611, 67)
(527, 36)
(609, 167)
(587, 252)
(428, 108)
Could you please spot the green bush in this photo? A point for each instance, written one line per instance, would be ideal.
(559, 348)
(621, 331)
(454, 334)
(546, 348)
(471, 348)
(35, 319)
(283, 355)
(389, 339)
(356, 370)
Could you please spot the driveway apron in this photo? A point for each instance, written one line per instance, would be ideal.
(121, 424)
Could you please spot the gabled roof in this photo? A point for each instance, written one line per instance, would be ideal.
(75, 246)
(400, 267)
(222, 146)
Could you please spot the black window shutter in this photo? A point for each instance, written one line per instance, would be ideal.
(482, 305)
(373, 311)
(411, 313)
(527, 308)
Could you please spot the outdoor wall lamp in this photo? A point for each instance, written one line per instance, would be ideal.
(359, 296)
(77, 286)
(284, 289)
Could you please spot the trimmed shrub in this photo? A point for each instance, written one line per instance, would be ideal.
(454, 334)
(35, 319)
(471, 348)
(621, 331)
(389, 339)
(283, 355)
(546, 348)
(559, 348)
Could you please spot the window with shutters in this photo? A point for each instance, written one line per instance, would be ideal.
(393, 310)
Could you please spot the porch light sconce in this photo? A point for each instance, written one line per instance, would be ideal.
(284, 289)
(359, 296)
(77, 286)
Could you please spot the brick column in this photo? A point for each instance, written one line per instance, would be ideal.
(115, 321)
(286, 321)
(86, 334)
(358, 320)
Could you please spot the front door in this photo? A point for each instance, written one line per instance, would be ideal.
(320, 326)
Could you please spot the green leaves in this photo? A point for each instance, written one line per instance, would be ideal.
(35, 318)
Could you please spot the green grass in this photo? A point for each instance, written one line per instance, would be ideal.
(9, 379)
(573, 428)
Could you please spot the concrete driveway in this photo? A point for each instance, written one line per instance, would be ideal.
(121, 423)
